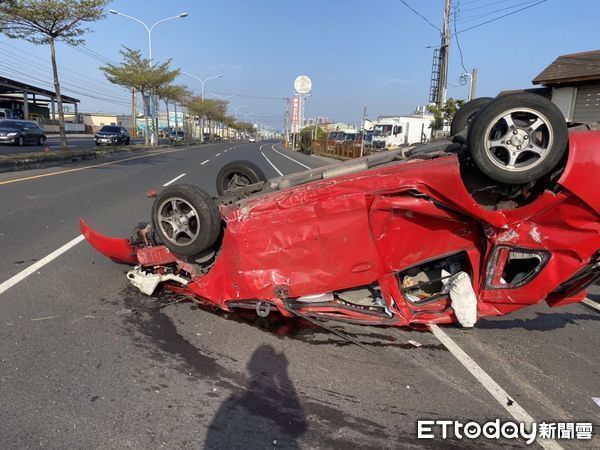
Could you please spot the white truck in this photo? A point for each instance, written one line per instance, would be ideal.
(396, 131)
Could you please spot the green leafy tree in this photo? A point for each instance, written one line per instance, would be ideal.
(138, 73)
(46, 22)
(172, 93)
(442, 116)
(211, 109)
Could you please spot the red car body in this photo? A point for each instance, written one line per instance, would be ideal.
(371, 226)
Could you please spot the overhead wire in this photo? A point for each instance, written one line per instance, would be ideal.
(485, 14)
(501, 17)
(420, 15)
(460, 52)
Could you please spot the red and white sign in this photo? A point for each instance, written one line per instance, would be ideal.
(295, 114)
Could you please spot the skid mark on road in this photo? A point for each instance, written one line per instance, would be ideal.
(38, 265)
(507, 402)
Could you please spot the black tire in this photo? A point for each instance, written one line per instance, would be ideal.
(196, 212)
(20, 141)
(127, 141)
(238, 174)
(518, 138)
(466, 113)
(41, 140)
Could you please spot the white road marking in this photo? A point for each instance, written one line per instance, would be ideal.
(291, 159)
(508, 402)
(174, 180)
(39, 264)
(218, 154)
(269, 161)
(205, 162)
(591, 303)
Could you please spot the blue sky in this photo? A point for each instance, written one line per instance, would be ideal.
(357, 53)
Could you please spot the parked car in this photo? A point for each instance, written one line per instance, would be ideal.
(112, 135)
(21, 132)
(177, 136)
(251, 139)
(449, 232)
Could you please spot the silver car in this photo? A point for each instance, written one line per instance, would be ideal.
(21, 132)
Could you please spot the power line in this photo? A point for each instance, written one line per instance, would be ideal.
(460, 52)
(484, 14)
(420, 15)
(501, 17)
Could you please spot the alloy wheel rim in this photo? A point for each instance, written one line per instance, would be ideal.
(518, 139)
(178, 221)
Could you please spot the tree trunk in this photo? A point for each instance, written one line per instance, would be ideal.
(175, 107)
(61, 113)
(133, 115)
(145, 102)
(167, 107)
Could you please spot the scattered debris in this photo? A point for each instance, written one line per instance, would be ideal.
(415, 343)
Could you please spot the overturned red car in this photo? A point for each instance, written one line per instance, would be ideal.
(502, 218)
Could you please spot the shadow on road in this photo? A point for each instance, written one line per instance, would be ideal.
(267, 414)
(542, 322)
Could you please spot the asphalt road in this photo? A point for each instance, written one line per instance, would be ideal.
(53, 143)
(85, 364)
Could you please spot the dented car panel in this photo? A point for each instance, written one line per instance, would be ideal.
(396, 233)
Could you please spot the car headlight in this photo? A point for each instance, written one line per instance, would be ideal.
(11, 134)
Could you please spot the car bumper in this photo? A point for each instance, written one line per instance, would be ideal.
(7, 139)
(106, 141)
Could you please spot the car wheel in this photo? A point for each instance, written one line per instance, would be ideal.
(186, 219)
(238, 174)
(463, 117)
(518, 138)
(41, 140)
(20, 141)
(127, 141)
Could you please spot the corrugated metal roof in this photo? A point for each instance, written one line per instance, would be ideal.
(573, 68)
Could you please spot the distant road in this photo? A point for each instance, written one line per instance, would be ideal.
(53, 143)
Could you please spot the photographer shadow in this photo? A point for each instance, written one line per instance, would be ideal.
(267, 414)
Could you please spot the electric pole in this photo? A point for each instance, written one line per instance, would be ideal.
(444, 53)
(473, 89)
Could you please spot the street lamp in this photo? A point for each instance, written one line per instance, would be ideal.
(203, 81)
(149, 30)
(237, 110)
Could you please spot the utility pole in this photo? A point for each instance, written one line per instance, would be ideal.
(286, 134)
(362, 139)
(444, 53)
(473, 84)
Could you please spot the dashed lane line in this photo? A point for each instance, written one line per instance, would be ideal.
(508, 402)
(92, 166)
(39, 264)
(174, 180)
(204, 162)
(218, 154)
